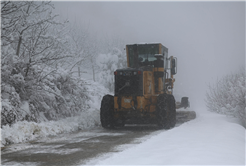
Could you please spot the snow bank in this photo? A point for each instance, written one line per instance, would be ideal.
(208, 140)
(23, 131)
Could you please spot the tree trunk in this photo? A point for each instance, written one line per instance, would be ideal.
(19, 44)
(79, 71)
(93, 70)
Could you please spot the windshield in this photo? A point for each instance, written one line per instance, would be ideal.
(146, 57)
(146, 53)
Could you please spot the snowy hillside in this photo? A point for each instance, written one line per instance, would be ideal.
(24, 131)
(210, 139)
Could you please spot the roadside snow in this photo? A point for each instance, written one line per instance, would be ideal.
(208, 140)
(24, 131)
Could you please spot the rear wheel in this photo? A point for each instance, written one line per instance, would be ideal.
(106, 111)
(166, 111)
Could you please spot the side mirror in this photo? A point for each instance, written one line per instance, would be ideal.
(173, 67)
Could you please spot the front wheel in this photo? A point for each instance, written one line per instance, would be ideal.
(172, 118)
(106, 111)
(119, 124)
(166, 111)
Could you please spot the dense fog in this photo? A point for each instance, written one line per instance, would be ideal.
(208, 38)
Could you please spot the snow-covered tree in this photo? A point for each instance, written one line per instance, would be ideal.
(9, 20)
(33, 45)
(77, 37)
(228, 96)
(39, 54)
(83, 48)
(108, 63)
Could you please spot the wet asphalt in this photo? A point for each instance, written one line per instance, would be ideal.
(75, 149)
(81, 147)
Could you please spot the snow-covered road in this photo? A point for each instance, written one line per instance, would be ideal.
(78, 147)
(210, 139)
(75, 148)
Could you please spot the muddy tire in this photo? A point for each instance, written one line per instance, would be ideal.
(166, 111)
(106, 112)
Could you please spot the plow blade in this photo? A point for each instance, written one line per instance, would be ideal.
(185, 116)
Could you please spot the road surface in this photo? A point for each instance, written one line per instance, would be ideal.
(77, 148)
(73, 149)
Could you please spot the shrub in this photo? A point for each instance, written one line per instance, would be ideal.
(227, 96)
(44, 94)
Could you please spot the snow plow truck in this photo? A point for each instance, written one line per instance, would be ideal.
(144, 90)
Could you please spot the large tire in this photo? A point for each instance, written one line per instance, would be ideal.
(166, 111)
(106, 112)
(172, 118)
(119, 124)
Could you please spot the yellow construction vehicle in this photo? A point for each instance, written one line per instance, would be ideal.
(143, 90)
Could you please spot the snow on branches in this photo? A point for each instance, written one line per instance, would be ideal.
(33, 86)
(228, 96)
(108, 63)
(39, 54)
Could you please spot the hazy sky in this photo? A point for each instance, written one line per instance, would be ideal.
(208, 38)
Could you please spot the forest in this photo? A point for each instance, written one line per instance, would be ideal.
(44, 55)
